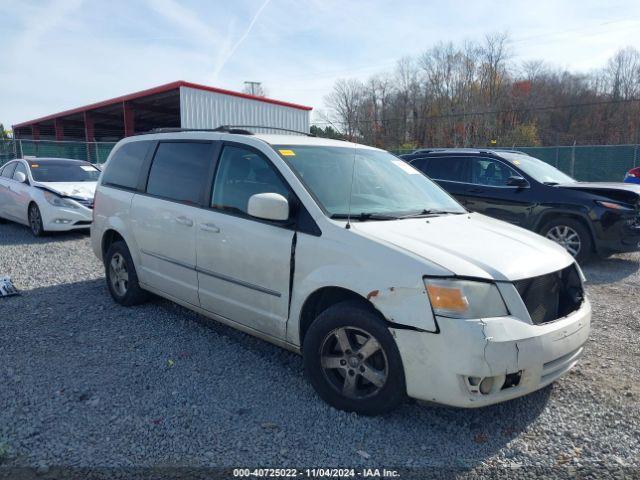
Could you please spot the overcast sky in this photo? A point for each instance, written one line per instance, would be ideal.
(60, 54)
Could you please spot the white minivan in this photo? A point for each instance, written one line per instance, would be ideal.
(387, 286)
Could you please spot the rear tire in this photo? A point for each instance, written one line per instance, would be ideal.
(352, 360)
(121, 276)
(572, 235)
(35, 221)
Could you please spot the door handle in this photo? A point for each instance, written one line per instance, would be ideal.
(476, 190)
(209, 227)
(184, 221)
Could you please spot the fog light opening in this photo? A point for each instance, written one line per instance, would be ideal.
(474, 381)
(486, 385)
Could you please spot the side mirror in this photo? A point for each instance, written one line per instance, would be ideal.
(517, 181)
(268, 206)
(20, 177)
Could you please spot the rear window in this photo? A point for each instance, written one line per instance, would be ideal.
(179, 171)
(123, 169)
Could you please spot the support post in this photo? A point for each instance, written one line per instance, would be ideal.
(129, 119)
(89, 128)
(59, 128)
(35, 132)
(89, 134)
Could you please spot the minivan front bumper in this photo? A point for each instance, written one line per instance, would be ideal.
(517, 356)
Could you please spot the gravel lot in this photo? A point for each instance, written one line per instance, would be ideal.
(86, 383)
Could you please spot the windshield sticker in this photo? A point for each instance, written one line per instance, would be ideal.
(287, 153)
(516, 162)
(406, 167)
(87, 168)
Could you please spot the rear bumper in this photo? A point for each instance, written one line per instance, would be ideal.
(439, 367)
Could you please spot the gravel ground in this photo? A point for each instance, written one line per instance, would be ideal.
(86, 383)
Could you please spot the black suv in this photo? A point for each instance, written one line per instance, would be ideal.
(585, 218)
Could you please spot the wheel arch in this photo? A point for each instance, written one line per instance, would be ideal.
(109, 237)
(548, 216)
(325, 297)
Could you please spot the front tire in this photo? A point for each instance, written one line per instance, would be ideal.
(572, 235)
(121, 276)
(352, 360)
(35, 221)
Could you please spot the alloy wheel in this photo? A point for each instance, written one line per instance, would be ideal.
(118, 274)
(35, 220)
(354, 362)
(567, 237)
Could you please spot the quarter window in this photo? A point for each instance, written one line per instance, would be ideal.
(490, 172)
(123, 169)
(242, 173)
(179, 171)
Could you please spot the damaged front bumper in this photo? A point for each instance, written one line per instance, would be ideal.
(517, 357)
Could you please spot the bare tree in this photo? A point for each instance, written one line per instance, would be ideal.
(345, 101)
(472, 94)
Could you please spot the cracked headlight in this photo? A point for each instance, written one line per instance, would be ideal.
(465, 298)
(58, 201)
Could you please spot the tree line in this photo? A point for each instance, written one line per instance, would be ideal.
(475, 94)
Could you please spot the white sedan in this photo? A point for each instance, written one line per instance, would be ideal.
(48, 194)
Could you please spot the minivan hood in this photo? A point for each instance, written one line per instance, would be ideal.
(471, 245)
(84, 190)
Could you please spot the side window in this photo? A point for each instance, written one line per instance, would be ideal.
(7, 171)
(20, 168)
(447, 168)
(123, 169)
(179, 171)
(490, 172)
(241, 174)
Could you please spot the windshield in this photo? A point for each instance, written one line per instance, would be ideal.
(539, 170)
(383, 184)
(64, 172)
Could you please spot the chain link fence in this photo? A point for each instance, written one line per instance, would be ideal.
(582, 162)
(94, 152)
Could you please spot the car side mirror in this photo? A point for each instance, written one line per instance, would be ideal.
(517, 181)
(21, 177)
(268, 206)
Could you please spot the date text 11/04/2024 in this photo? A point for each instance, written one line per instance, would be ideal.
(317, 472)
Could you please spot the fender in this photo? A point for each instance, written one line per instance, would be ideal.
(402, 305)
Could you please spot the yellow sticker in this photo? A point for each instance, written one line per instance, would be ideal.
(287, 153)
(516, 162)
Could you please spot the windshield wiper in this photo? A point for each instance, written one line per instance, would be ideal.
(364, 216)
(429, 213)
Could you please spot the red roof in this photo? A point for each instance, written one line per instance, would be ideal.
(160, 89)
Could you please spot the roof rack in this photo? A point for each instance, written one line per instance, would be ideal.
(269, 128)
(223, 128)
(234, 129)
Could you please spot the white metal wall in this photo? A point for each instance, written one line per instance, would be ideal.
(204, 109)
